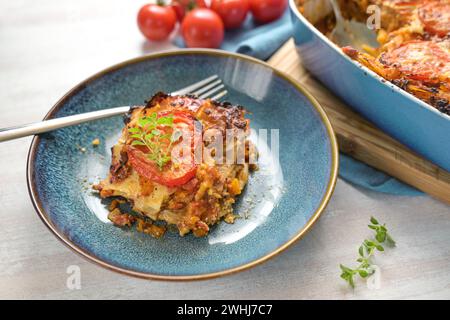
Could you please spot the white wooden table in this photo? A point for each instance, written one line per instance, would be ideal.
(46, 47)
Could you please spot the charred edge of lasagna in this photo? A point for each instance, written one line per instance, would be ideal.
(161, 96)
(442, 105)
(232, 111)
(120, 169)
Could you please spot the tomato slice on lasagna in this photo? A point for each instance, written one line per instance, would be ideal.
(159, 165)
(421, 68)
(435, 17)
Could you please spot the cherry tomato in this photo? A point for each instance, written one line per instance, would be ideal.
(183, 6)
(202, 28)
(175, 173)
(232, 12)
(192, 4)
(265, 11)
(179, 10)
(156, 22)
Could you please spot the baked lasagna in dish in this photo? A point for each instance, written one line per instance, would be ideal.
(414, 45)
(168, 166)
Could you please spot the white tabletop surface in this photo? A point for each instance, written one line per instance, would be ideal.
(47, 47)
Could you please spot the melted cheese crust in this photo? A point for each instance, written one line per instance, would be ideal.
(205, 199)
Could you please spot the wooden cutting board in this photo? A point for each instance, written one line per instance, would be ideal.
(362, 140)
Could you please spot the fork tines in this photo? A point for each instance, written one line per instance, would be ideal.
(205, 88)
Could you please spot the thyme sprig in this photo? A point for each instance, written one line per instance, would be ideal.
(149, 133)
(366, 252)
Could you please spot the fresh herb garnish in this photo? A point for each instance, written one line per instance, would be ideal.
(366, 251)
(150, 133)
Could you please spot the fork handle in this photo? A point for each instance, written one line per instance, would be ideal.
(49, 125)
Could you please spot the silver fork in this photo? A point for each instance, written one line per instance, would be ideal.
(211, 87)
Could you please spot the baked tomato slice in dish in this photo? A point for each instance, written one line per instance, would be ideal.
(165, 153)
(419, 60)
(436, 18)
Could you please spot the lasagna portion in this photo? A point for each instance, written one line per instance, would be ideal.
(173, 165)
(414, 45)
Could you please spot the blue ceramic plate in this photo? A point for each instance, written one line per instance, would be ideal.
(411, 121)
(282, 201)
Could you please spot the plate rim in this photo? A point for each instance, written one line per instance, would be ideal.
(35, 199)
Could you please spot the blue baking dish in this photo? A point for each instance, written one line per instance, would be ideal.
(411, 121)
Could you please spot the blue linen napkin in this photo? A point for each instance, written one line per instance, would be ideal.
(360, 174)
(261, 41)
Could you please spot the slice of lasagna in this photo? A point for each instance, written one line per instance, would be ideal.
(414, 51)
(164, 166)
(419, 67)
(414, 46)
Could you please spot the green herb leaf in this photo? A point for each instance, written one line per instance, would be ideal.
(156, 132)
(365, 264)
(147, 134)
(345, 269)
(363, 273)
(142, 122)
(361, 251)
(134, 130)
(366, 251)
(380, 236)
(165, 120)
(137, 143)
(351, 281)
(369, 244)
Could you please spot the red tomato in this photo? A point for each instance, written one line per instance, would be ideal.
(418, 60)
(436, 18)
(265, 11)
(183, 6)
(202, 28)
(179, 10)
(192, 4)
(173, 174)
(150, 171)
(232, 12)
(156, 22)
